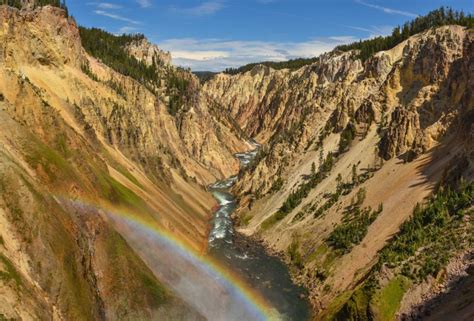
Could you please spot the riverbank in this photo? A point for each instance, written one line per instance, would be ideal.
(250, 258)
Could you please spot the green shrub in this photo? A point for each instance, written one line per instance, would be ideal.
(9, 271)
(386, 301)
(347, 136)
(295, 254)
(353, 230)
(277, 185)
(360, 196)
(85, 67)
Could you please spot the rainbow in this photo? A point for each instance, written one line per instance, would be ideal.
(202, 282)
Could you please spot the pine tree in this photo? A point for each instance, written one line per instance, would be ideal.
(328, 163)
(380, 208)
(355, 178)
(339, 183)
(361, 194)
(321, 159)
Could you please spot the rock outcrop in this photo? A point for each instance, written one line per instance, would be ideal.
(145, 51)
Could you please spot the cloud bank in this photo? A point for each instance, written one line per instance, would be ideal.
(218, 54)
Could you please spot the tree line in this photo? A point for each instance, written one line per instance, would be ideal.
(436, 18)
(292, 64)
(38, 3)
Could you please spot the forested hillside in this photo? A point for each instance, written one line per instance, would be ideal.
(110, 49)
(436, 18)
(292, 64)
(156, 76)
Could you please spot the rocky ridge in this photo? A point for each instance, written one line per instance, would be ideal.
(143, 50)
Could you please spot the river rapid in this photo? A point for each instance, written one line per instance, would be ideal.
(249, 259)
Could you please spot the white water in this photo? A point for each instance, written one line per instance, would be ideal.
(265, 273)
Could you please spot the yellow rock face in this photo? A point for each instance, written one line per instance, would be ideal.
(67, 140)
(410, 102)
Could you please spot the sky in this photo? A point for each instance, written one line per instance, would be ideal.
(211, 35)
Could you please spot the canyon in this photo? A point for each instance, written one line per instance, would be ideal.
(106, 204)
(419, 90)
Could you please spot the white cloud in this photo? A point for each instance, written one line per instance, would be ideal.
(203, 9)
(218, 54)
(342, 38)
(105, 5)
(144, 3)
(387, 10)
(127, 29)
(115, 16)
(200, 55)
(106, 9)
(373, 31)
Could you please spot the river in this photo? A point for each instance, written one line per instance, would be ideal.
(249, 259)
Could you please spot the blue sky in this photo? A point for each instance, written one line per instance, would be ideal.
(215, 34)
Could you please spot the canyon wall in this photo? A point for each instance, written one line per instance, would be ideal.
(342, 135)
(77, 142)
(349, 147)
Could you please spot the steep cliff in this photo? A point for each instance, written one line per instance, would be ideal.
(349, 148)
(78, 138)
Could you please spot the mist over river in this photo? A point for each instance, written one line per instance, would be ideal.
(236, 280)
